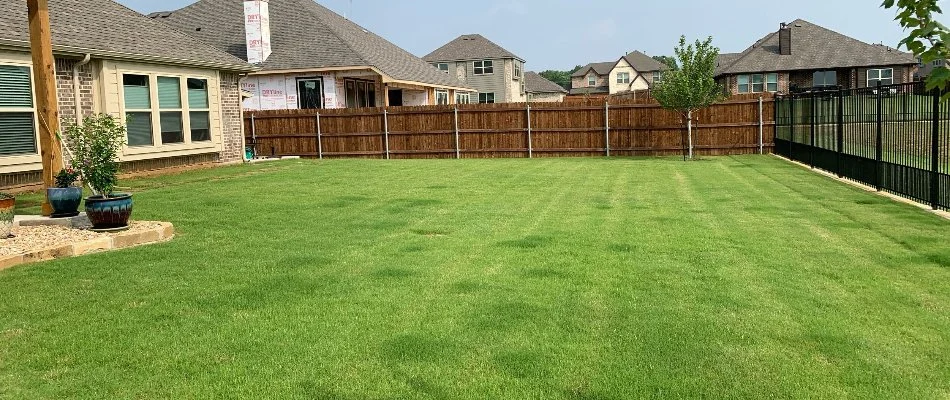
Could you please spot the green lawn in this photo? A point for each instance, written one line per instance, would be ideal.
(742, 277)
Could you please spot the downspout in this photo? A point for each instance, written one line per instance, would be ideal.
(76, 97)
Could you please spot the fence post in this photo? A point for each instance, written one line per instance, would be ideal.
(814, 121)
(386, 131)
(935, 152)
(879, 143)
(530, 144)
(319, 139)
(253, 136)
(791, 126)
(607, 127)
(839, 130)
(761, 127)
(458, 150)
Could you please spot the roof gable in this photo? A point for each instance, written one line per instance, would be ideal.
(535, 83)
(107, 29)
(602, 68)
(813, 47)
(304, 35)
(643, 63)
(470, 47)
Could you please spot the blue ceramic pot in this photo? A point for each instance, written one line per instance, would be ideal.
(109, 212)
(65, 201)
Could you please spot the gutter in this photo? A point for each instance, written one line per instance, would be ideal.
(76, 97)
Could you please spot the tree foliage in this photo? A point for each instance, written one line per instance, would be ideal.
(668, 61)
(926, 37)
(95, 146)
(693, 86)
(562, 78)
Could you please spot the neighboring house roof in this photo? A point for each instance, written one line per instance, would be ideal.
(470, 47)
(725, 60)
(591, 90)
(304, 36)
(106, 29)
(602, 68)
(535, 83)
(814, 47)
(643, 63)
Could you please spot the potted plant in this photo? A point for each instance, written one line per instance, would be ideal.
(65, 197)
(95, 147)
(6, 215)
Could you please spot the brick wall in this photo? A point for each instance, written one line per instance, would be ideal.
(232, 124)
(65, 90)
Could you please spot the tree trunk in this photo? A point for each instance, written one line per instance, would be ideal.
(689, 132)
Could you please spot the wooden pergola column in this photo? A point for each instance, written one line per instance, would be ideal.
(44, 88)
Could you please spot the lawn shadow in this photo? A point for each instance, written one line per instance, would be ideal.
(528, 242)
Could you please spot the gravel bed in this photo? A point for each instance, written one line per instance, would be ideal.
(28, 239)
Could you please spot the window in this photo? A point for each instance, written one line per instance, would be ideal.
(138, 109)
(657, 77)
(17, 112)
(463, 98)
(742, 81)
(486, 98)
(771, 82)
(198, 110)
(754, 83)
(484, 67)
(441, 97)
(623, 77)
(162, 110)
(591, 80)
(444, 67)
(884, 76)
(360, 93)
(517, 71)
(825, 79)
(938, 63)
(758, 85)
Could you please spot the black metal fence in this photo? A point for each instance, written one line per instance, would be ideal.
(894, 137)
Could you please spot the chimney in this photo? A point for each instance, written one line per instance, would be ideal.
(785, 40)
(257, 30)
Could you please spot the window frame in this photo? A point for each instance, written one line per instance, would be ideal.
(486, 94)
(441, 94)
(824, 78)
(438, 66)
(187, 147)
(14, 160)
(207, 109)
(623, 78)
(486, 66)
(657, 76)
(747, 84)
(463, 95)
(591, 80)
(356, 89)
(771, 79)
(880, 78)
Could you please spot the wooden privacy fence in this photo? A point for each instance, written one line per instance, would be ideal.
(741, 125)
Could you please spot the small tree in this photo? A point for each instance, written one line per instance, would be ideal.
(692, 87)
(927, 38)
(95, 147)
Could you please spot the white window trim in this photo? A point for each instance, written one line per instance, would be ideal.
(439, 92)
(486, 95)
(750, 83)
(623, 78)
(591, 80)
(657, 76)
(438, 66)
(463, 95)
(24, 162)
(879, 74)
(171, 149)
(483, 67)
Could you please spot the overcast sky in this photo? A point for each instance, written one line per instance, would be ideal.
(558, 34)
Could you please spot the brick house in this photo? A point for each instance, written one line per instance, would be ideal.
(180, 99)
(633, 72)
(542, 90)
(803, 55)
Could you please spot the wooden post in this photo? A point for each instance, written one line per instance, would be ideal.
(607, 127)
(458, 149)
(386, 131)
(44, 88)
(761, 128)
(319, 139)
(530, 144)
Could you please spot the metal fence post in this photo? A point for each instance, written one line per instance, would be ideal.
(791, 126)
(935, 152)
(607, 127)
(879, 143)
(839, 130)
(761, 128)
(386, 131)
(814, 121)
(530, 144)
(458, 149)
(319, 139)
(253, 136)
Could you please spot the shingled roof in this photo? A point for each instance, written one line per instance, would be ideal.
(535, 83)
(644, 63)
(106, 29)
(470, 47)
(304, 35)
(813, 47)
(602, 68)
